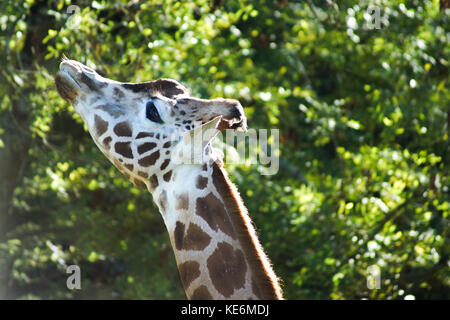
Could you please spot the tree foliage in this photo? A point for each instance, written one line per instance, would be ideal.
(362, 105)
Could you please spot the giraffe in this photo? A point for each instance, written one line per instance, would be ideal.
(142, 128)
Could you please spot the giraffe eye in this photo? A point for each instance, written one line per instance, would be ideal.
(152, 113)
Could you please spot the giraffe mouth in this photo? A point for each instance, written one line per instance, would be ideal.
(66, 84)
(239, 125)
(74, 78)
(235, 119)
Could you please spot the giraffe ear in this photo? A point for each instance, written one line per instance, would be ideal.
(191, 149)
(169, 87)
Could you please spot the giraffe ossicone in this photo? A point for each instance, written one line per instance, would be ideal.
(159, 137)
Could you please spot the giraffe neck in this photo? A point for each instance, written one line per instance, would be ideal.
(216, 249)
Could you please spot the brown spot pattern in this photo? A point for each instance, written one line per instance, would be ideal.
(182, 201)
(100, 125)
(140, 184)
(201, 293)
(144, 135)
(194, 239)
(256, 290)
(189, 271)
(117, 164)
(124, 149)
(122, 129)
(227, 269)
(163, 200)
(165, 164)
(213, 212)
(146, 147)
(143, 174)
(178, 235)
(118, 93)
(111, 110)
(149, 160)
(167, 176)
(201, 182)
(107, 141)
(153, 181)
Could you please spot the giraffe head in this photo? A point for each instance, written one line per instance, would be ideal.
(139, 126)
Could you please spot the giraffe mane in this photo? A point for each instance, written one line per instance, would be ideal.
(266, 282)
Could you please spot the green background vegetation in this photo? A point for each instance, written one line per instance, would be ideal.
(363, 115)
